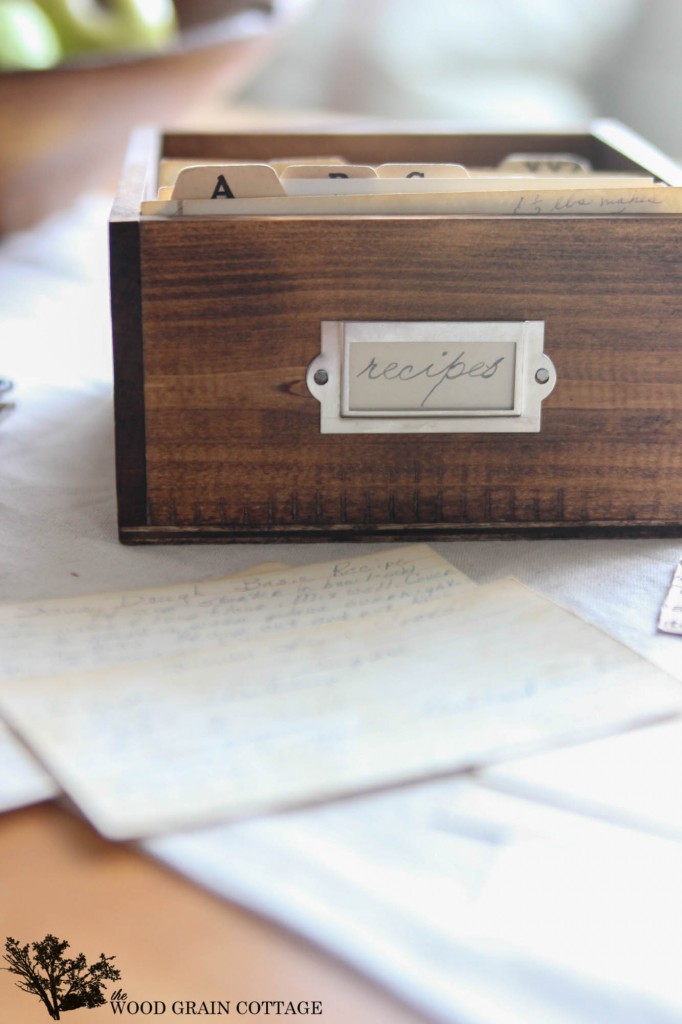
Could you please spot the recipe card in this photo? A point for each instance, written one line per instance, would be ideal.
(22, 779)
(93, 632)
(485, 674)
(44, 637)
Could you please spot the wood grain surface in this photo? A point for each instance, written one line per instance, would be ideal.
(172, 941)
(230, 318)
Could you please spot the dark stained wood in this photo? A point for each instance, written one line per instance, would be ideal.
(129, 410)
(231, 319)
(126, 314)
(380, 145)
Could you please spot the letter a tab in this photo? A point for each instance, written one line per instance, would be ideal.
(227, 181)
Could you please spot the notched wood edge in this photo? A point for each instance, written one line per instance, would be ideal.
(390, 532)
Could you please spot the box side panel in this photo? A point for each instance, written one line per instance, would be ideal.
(615, 147)
(232, 313)
(375, 147)
(608, 144)
(126, 314)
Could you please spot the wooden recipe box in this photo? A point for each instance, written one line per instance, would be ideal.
(239, 342)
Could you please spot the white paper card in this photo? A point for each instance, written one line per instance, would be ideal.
(45, 637)
(670, 619)
(490, 673)
(22, 780)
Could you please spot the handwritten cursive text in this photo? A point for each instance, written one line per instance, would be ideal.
(452, 370)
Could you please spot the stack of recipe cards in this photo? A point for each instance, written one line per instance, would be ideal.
(523, 184)
(171, 707)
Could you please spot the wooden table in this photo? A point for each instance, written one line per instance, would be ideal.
(172, 940)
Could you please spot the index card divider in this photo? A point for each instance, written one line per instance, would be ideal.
(422, 171)
(545, 163)
(374, 185)
(169, 168)
(229, 181)
(313, 172)
(536, 165)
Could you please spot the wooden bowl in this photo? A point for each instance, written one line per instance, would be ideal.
(65, 130)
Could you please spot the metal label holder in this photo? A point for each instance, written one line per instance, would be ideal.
(431, 376)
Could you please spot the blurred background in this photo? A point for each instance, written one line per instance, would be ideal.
(532, 63)
(73, 86)
(485, 62)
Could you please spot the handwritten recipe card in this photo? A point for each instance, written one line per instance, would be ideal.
(108, 629)
(324, 706)
(47, 637)
(22, 779)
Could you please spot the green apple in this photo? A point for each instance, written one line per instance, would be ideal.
(28, 40)
(86, 25)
